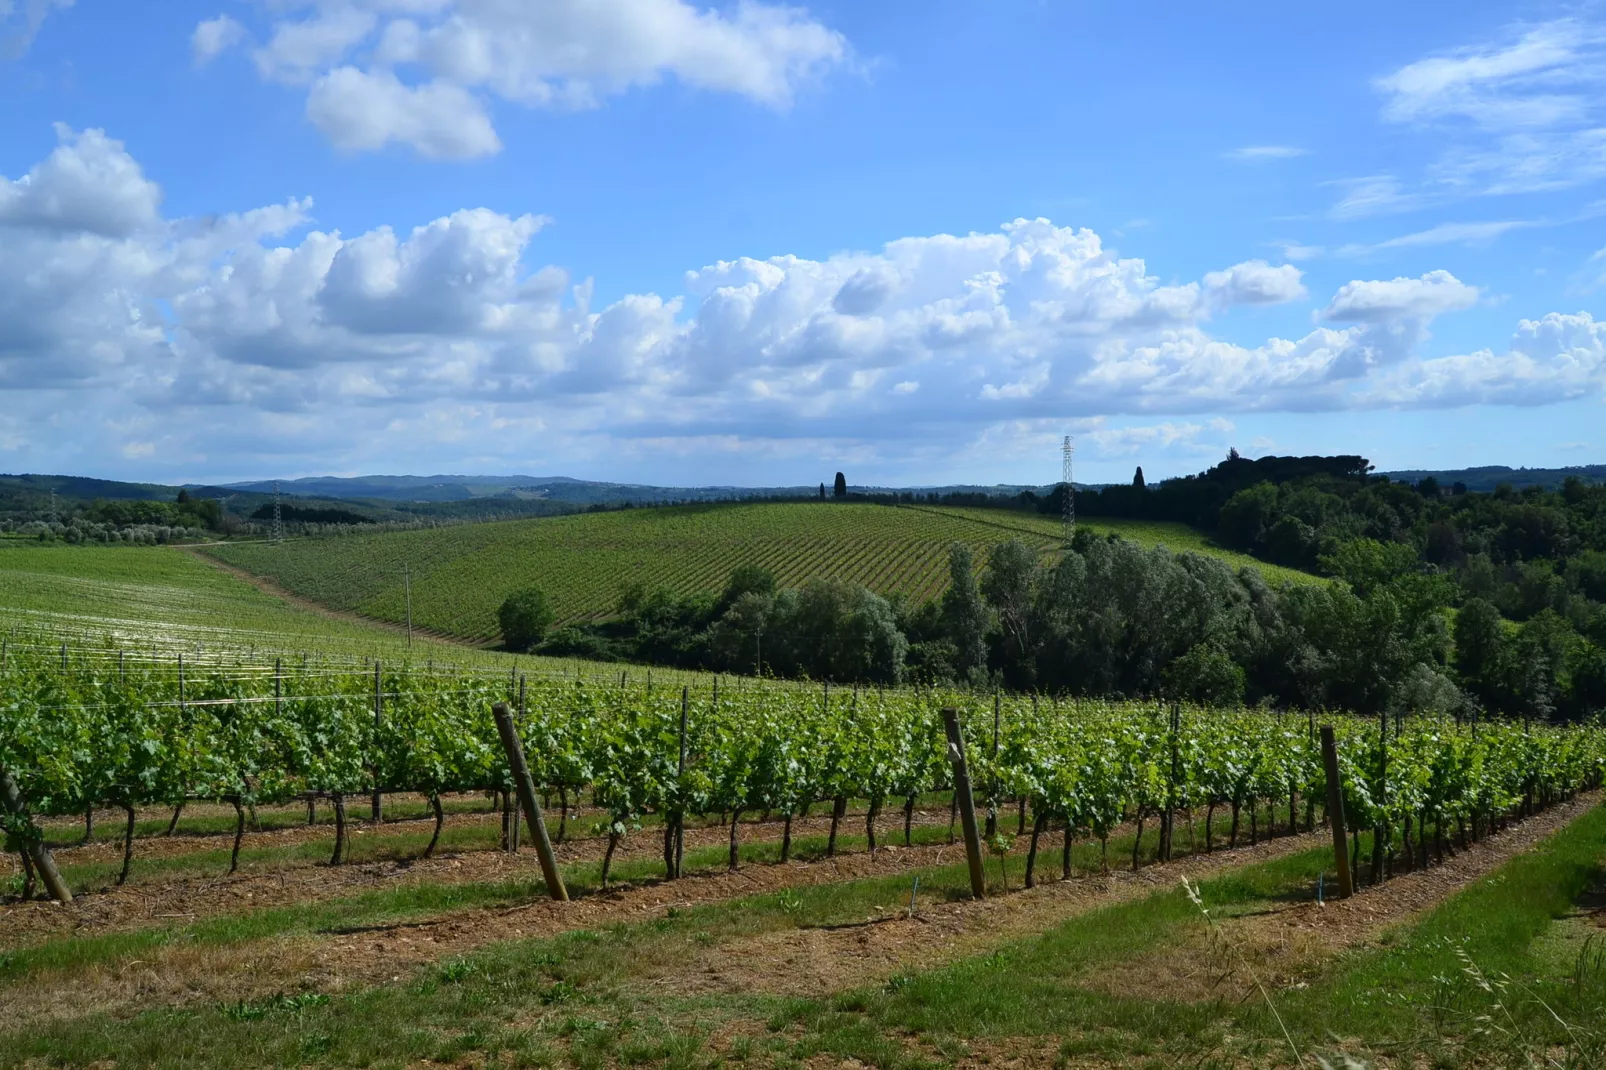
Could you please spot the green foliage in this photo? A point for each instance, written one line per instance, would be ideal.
(524, 618)
(461, 573)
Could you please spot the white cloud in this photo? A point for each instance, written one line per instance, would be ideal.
(1518, 115)
(219, 335)
(213, 36)
(1373, 195)
(1533, 81)
(1254, 282)
(1444, 234)
(1381, 301)
(1262, 153)
(89, 183)
(1168, 437)
(20, 21)
(413, 70)
(361, 111)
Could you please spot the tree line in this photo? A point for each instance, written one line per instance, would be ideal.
(1107, 617)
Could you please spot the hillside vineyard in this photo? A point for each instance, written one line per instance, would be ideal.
(92, 727)
(459, 575)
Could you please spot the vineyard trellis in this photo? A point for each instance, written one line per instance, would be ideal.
(99, 727)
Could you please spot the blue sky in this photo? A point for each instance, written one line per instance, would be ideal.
(665, 241)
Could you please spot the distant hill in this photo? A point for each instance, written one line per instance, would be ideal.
(1488, 477)
(454, 488)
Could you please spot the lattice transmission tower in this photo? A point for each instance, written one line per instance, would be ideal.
(278, 520)
(1068, 453)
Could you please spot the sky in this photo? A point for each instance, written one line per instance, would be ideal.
(918, 241)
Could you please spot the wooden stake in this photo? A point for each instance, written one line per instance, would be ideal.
(532, 805)
(1335, 812)
(379, 799)
(35, 850)
(967, 804)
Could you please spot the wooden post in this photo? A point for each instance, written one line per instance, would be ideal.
(532, 805)
(680, 769)
(1335, 812)
(1380, 834)
(967, 804)
(407, 580)
(34, 849)
(378, 814)
(992, 781)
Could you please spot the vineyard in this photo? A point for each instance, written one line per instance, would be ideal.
(459, 575)
(101, 728)
(734, 812)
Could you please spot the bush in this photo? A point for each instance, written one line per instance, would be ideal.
(524, 617)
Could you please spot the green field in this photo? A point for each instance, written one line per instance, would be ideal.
(161, 596)
(460, 574)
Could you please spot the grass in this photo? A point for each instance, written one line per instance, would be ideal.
(166, 598)
(584, 998)
(461, 574)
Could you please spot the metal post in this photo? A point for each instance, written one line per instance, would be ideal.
(967, 804)
(1335, 812)
(532, 805)
(407, 581)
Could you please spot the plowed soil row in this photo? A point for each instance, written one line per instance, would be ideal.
(137, 905)
(180, 975)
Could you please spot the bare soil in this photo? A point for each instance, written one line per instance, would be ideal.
(144, 903)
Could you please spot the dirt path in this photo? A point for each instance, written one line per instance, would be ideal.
(1288, 943)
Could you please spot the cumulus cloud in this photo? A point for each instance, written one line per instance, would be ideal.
(213, 36)
(414, 72)
(361, 111)
(1382, 301)
(1254, 282)
(89, 183)
(251, 327)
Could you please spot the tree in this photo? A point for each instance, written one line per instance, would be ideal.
(841, 488)
(822, 492)
(1137, 480)
(525, 616)
(183, 496)
(745, 579)
(963, 611)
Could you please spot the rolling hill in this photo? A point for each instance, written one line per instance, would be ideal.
(459, 575)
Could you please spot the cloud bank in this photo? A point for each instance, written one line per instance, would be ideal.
(257, 334)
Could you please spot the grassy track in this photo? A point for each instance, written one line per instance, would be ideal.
(461, 574)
